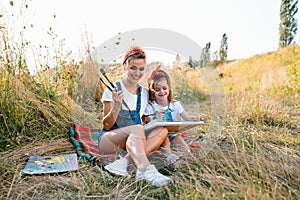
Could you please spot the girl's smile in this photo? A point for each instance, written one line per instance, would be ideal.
(161, 90)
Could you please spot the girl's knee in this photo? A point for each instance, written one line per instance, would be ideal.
(163, 132)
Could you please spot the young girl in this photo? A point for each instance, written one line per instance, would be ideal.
(166, 108)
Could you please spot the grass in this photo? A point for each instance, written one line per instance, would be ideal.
(270, 70)
(246, 166)
(260, 158)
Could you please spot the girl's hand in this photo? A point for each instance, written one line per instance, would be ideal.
(201, 118)
(146, 119)
(160, 115)
(197, 118)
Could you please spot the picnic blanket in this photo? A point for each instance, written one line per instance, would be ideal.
(196, 141)
(85, 141)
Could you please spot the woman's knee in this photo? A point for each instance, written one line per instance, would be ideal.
(137, 130)
(139, 127)
(135, 127)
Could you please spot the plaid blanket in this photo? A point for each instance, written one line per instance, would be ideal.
(85, 141)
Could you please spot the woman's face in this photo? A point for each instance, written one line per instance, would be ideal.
(135, 70)
(161, 90)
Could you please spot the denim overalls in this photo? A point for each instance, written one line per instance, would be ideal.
(125, 117)
(168, 117)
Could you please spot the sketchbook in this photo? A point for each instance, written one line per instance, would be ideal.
(51, 164)
(173, 127)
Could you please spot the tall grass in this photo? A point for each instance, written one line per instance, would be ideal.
(260, 158)
(256, 162)
(32, 107)
(276, 71)
(189, 85)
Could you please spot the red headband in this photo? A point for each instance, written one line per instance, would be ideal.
(133, 52)
(156, 72)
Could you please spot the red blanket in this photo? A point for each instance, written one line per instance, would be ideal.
(85, 141)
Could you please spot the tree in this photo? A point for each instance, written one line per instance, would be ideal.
(205, 55)
(223, 49)
(176, 63)
(288, 23)
(191, 62)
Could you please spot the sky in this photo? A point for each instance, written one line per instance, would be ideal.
(252, 27)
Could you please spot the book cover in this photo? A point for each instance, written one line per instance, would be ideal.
(51, 164)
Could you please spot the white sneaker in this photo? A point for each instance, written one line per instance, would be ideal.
(153, 176)
(173, 160)
(118, 167)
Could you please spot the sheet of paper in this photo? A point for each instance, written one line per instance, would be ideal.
(173, 127)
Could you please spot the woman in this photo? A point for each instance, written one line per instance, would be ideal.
(122, 127)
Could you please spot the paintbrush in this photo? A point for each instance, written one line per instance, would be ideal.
(166, 111)
(112, 85)
(104, 74)
(108, 87)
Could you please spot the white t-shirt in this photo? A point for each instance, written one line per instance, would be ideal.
(129, 98)
(175, 106)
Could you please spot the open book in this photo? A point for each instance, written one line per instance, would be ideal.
(173, 127)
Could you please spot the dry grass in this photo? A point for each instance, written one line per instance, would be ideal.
(259, 160)
(237, 170)
(256, 162)
(262, 72)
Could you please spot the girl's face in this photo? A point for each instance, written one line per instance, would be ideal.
(135, 70)
(161, 90)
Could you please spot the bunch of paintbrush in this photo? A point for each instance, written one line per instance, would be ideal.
(110, 86)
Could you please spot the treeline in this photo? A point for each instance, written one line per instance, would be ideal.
(288, 28)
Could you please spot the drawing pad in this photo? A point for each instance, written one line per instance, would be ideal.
(173, 127)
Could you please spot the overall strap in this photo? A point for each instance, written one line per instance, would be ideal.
(168, 106)
(151, 104)
(138, 103)
(168, 114)
(119, 85)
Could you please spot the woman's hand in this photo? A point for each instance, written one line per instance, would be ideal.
(117, 97)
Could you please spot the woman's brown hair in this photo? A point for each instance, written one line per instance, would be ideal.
(134, 53)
